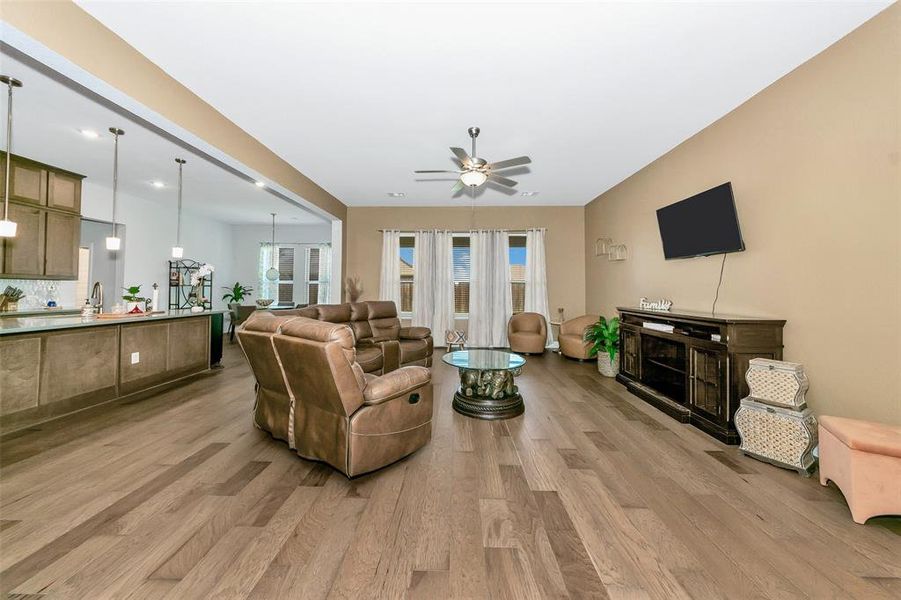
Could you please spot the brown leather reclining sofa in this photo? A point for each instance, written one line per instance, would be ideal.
(312, 394)
(382, 344)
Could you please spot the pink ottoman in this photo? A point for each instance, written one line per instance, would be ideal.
(864, 460)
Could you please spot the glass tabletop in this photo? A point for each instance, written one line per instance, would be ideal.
(484, 360)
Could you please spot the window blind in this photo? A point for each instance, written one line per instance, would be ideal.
(286, 264)
(461, 256)
(518, 271)
(407, 273)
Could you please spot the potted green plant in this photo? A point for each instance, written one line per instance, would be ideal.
(236, 293)
(133, 301)
(604, 336)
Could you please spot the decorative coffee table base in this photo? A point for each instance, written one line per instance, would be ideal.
(488, 394)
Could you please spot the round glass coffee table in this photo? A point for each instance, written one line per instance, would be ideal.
(486, 389)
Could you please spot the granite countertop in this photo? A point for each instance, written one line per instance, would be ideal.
(42, 310)
(35, 324)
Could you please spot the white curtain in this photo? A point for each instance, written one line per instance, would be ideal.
(266, 288)
(325, 272)
(490, 298)
(536, 277)
(389, 282)
(433, 288)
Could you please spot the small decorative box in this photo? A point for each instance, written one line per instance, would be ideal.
(782, 436)
(777, 383)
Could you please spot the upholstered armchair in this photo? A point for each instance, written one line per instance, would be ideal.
(313, 394)
(571, 338)
(527, 333)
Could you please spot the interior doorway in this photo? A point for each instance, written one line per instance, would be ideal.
(97, 264)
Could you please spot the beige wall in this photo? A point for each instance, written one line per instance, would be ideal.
(68, 30)
(565, 242)
(814, 162)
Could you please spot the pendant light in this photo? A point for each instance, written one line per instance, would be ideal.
(7, 227)
(272, 272)
(114, 242)
(177, 250)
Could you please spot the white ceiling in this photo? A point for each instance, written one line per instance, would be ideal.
(49, 113)
(357, 96)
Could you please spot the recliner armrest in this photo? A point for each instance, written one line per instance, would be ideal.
(394, 384)
(415, 333)
(375, 340)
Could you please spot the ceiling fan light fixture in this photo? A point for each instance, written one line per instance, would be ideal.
(473, 178)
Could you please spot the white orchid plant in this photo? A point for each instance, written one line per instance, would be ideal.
(201, 273)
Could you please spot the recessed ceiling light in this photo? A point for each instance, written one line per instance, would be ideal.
(528, 193)
(89, 133)
(397, 194)
(158, 184)
(260, 183)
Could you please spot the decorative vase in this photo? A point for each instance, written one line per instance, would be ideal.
(194, 295)
(131, 306)
(607, 367)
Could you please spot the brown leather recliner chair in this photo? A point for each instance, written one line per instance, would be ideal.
(527, 332)
(571, 338)
(382, 344)
(312, 394)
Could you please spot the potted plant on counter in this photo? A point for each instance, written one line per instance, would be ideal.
(133, 302)
(236, 293)
(604, 339)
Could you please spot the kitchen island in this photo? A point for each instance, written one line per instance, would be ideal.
(54, 365)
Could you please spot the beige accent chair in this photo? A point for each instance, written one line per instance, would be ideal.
(527, 333)
(382, 344)
(313, 394)
(571, 337)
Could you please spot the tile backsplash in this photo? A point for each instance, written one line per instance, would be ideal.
(40, 291)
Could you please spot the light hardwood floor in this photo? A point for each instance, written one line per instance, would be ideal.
(590, 494)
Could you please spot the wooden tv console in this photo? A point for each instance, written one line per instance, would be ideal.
(691, 374)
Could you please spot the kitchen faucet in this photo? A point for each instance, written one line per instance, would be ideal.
(97, 297)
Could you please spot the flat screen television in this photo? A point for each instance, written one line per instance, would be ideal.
(704, 224)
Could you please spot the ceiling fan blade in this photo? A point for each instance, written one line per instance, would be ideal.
(461, 154)
(457, 187)
(510, 162)
(437, 171)
(501, 180)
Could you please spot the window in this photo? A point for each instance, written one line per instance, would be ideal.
(318, 268)
(313, 275)
(518, 272)
(407, 273)
(461, 260)
(286, 276)
(461, 274)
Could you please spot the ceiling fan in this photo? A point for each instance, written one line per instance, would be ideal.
(475, 171)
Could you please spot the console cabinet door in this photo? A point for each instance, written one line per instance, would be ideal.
(64, 192)
(631, 353)
(707, 380)
(24, 254)
(63, 237)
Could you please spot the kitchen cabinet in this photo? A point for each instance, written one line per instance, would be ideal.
(45, 202)
(28, 183)
(64, 191)
(23, 255)
(63, 234)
